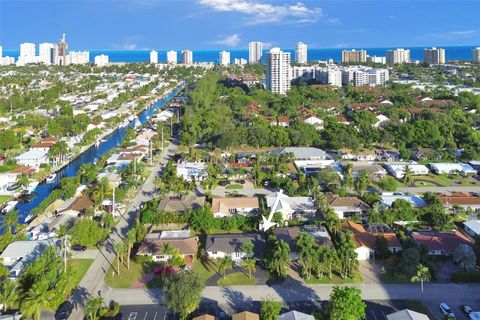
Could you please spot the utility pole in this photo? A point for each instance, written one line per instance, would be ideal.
(65, 250)
(113, 200)
(162, 137)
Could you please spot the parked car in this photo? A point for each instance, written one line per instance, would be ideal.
(78, 247)
(466, 309)
(447, 311)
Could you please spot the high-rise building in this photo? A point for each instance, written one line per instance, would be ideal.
(239, 61)
(476, 54)
(331, 75)
(277, 76)
(47, 52)
(224, 58)
(255, 51)
(101, 60)
(79, 57)
(62, 51)
(187, 57)
(434, 55)
(27, 50)
(398, 56)
(354, 56)
(172, 57)
(301, 53)
(376, 59)
(153, 57)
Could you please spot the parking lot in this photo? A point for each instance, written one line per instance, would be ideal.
(434, 308)
(145, 312)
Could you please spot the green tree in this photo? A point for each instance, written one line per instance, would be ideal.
(36, 299)
(306, 253)
(226, 263)
(277, 260)
(333, 223)
(465, 256)
(88, 173)
(407, 175)
(346, 304)
(381, 247)
(182, 292)
(270, 309)
(247, 247)
(93, 307)
(8, 294)
(409, 260)
(87, 232)
(120, 253)
(423, 275)
(130, 240)
(250, 265)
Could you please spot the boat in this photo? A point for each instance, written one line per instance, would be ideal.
(28, 218)
(9, 206)
(31, 187)
(51, 177)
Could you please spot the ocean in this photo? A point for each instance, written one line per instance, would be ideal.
(416, 53)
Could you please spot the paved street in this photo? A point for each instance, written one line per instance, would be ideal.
(93, 281)
(145, 312)
(440, 189)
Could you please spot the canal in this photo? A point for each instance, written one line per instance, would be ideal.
(89, 156)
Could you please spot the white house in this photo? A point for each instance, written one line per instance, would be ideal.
(453, 168)
(308, 158)
(224, 207)
(387, 199)
(218, 246)
(288, 206)
(381, 119)
(472, 227)
(398, 169)
(33, 157)
(190, 171)
(315, 122)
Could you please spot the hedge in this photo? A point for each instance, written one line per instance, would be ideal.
(460, 276)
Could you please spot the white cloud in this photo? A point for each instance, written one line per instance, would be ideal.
(229, 41)
(451, 35)
(259, 12)
(125, 46)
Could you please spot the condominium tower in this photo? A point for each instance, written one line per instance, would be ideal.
(224, 58)
(255, 52)
(301, 53)
(172, 57)
(153, 57)
(277, 78)
(476, 54)
(398, 56)
(354, 56)
(434, 56)
(187, 57)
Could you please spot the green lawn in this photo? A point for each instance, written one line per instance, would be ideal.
(205, 269)
(80, 266)
(127, 276)
(394, 277)
(7, 167)
(234, 186)
(335, 280)
(236, 279)
(4, 199)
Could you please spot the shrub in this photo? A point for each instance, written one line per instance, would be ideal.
(460, 276)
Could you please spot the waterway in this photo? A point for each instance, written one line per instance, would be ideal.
(89, 156)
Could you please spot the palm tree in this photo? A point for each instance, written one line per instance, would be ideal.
(93, 307)
(22, 180)
(167, 250)
(423, 275)
(120, 252)
(407, 175)
(36, 300)
(129, 240)
(226, 263)
(250, 266)
(8, 294)
(333, 222)
(347, 176)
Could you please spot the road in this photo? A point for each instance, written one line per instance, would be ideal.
(93, 282)
(440, 189)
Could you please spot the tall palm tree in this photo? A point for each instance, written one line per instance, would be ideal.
(407, 175)
(423, 275)
(226, 263)
(8, 294)
(93, 307)
(129, 240)
(333, 222)
(120, 252)
(167, 250)
(347, 176)
(250, 266)
(35, 300)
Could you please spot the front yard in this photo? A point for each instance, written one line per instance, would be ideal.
(4, 199)
(236, 279)
(80, 267)
(335, 280)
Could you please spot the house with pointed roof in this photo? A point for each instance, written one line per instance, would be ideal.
(295, 315)
(291, 206)
(464, 200)
(407, 314)
(225, 207)
(346, 207)
(246, 315)
(441, 243)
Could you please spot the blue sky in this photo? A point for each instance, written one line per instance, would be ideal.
(214, 24)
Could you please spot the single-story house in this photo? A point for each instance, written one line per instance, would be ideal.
(398, 169)
(290, 206)
(246, 315)
(190, 171)
(223, 207)
(75, 206)
(388, 198)
(295, 315)
(360, 155)
(407, 314)
(424, 154)
(221, 245)
(320, 234)
(19, 254)
(45, 144)
(346, 207)
(307, 157)
(375, 171)
(181, 204)
(33, 158)
(317, 123)
(153, 245)
(365, 241)
(453, 168)
(381, 119)
(472, 227)
(289, 235)
(464, 200)
(440, 243)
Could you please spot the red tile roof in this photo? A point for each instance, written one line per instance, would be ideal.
(444, 241)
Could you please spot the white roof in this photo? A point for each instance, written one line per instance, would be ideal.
(415, 200)
(407, 314)
(290, 204)
(20, 249)
(305, 153)
(32, 154)
(453, 166)
(295, 315)
(473, 225)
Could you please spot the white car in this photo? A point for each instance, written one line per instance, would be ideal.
(446, 310)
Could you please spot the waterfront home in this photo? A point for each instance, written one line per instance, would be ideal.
(441, 243)
(224, 207)
(33, 158)
(365, 240)
(221, 245)
(465, 200)
(180, 241)
(291, 206)
(75, 206)
(96, 124)
(181, 204)
(381, 120)
(19, 254)
(346, 207)
(472, 227)
(398, 169)
(453, 168)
